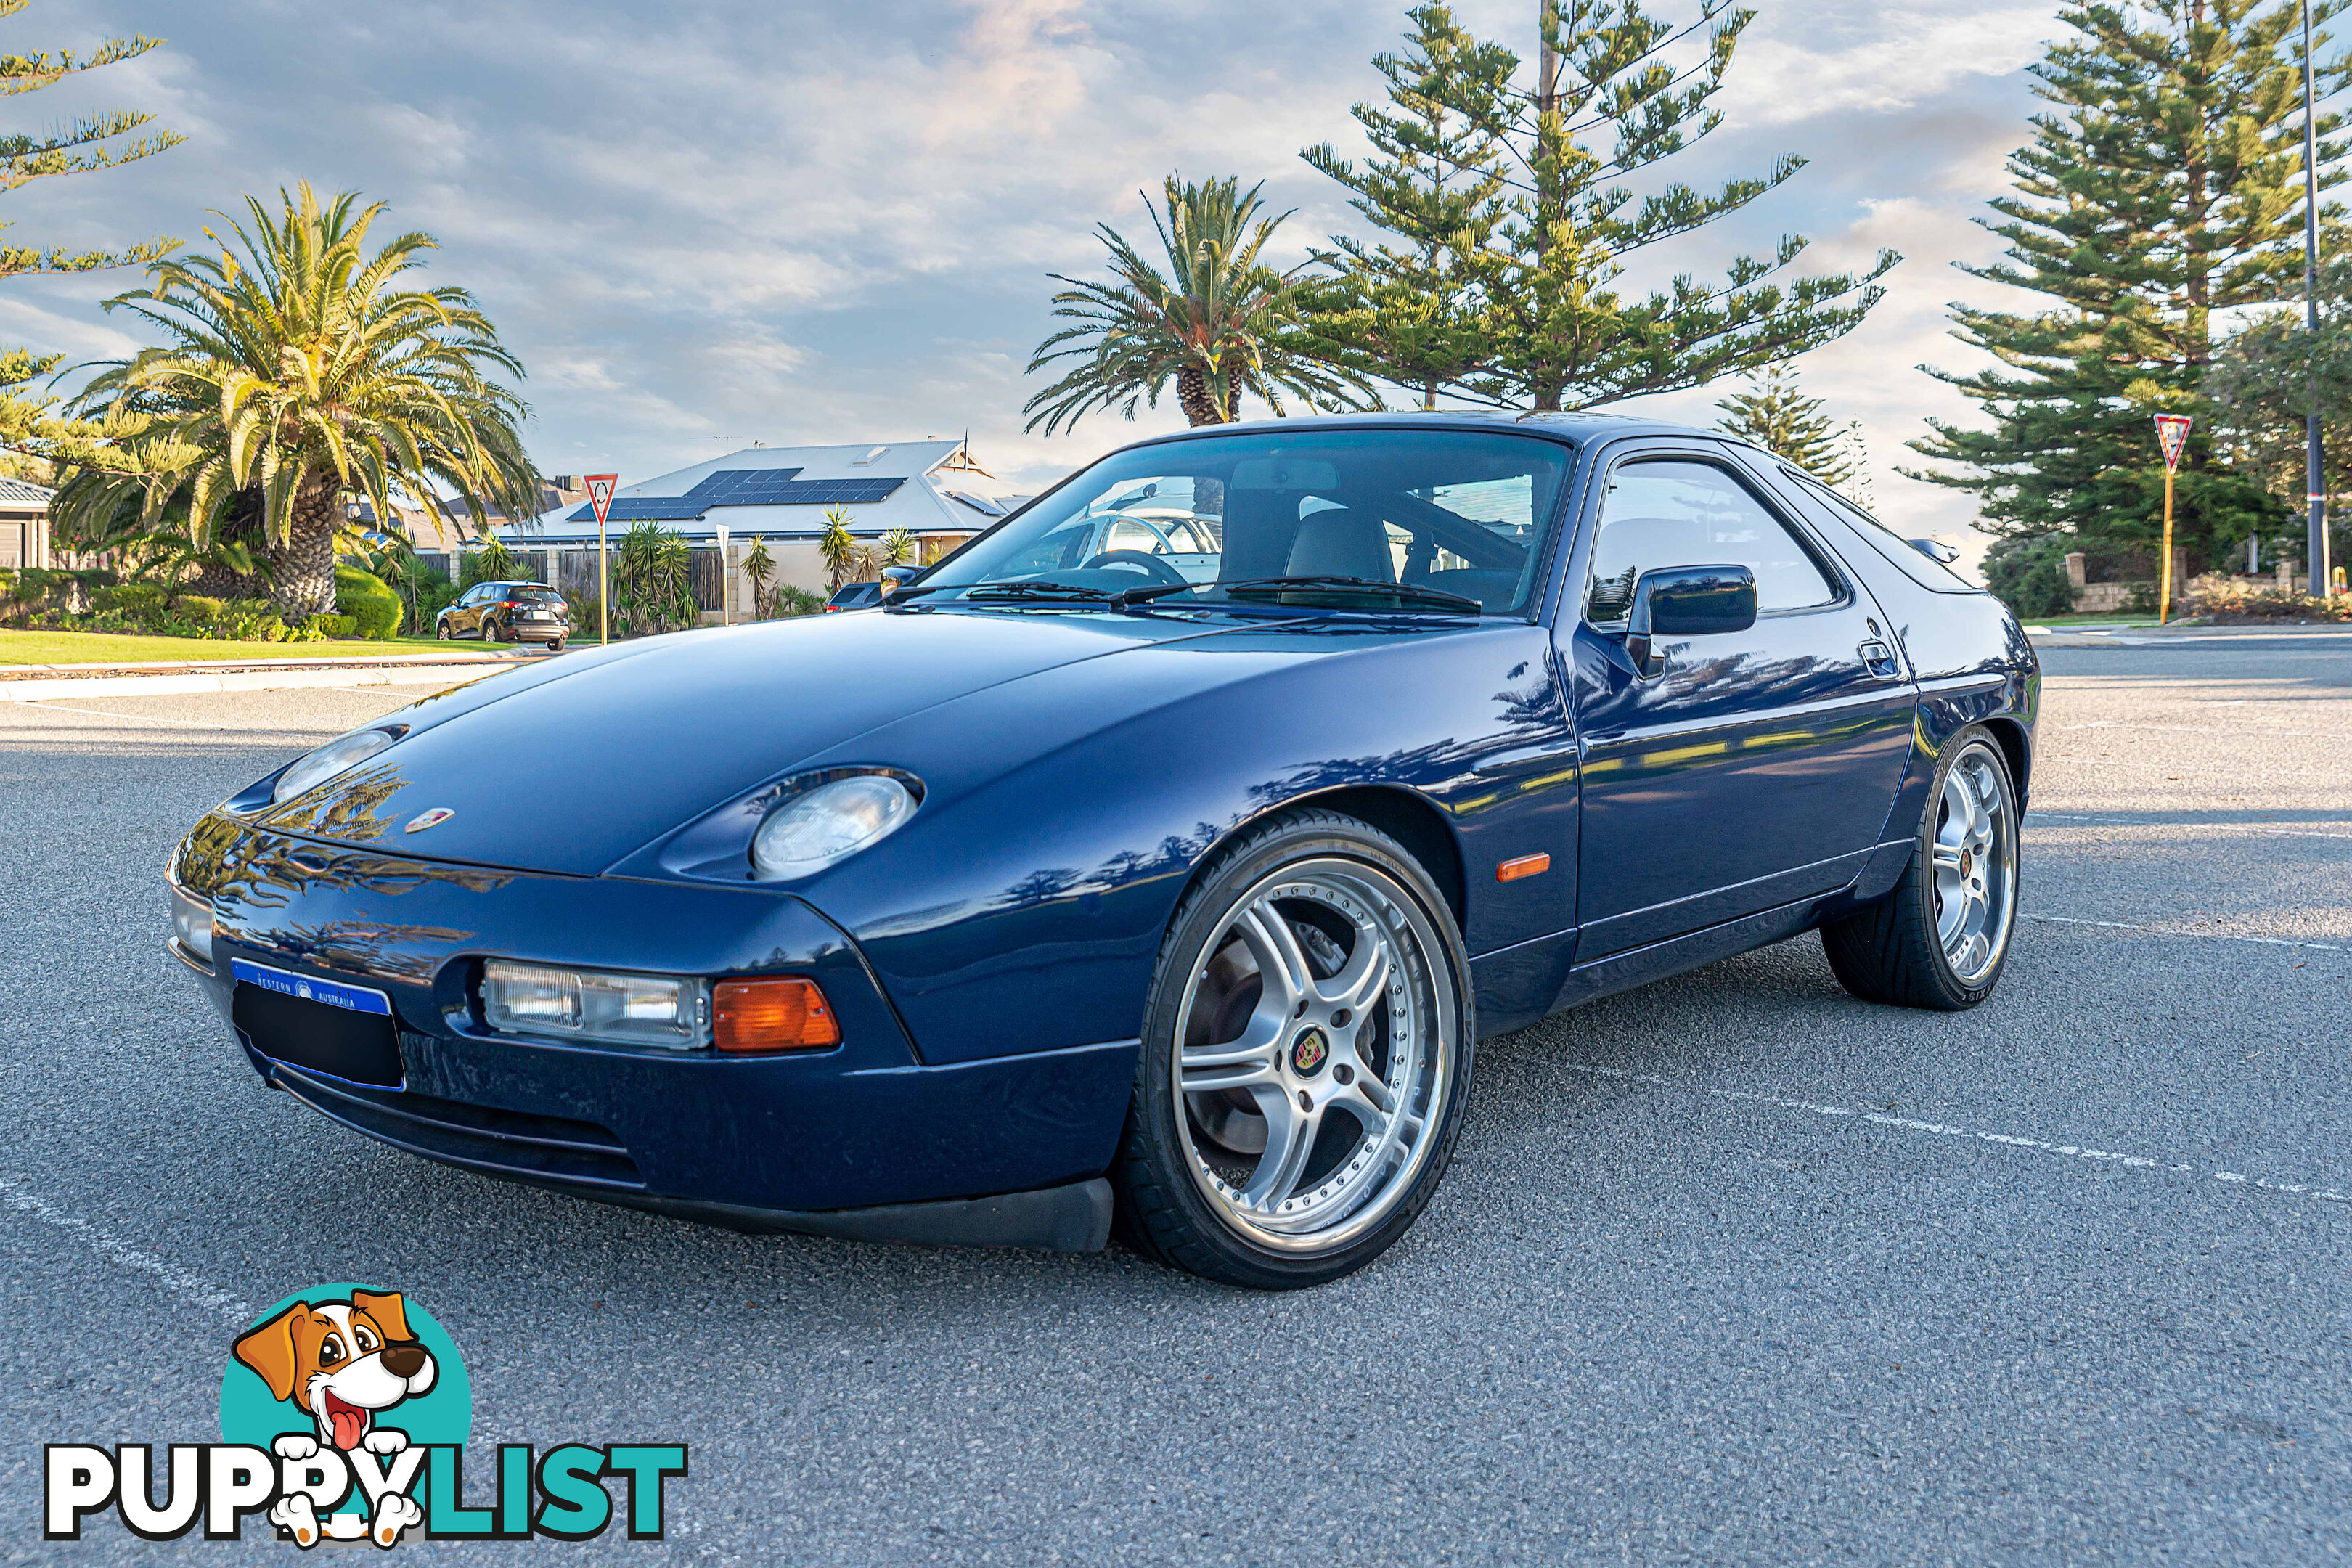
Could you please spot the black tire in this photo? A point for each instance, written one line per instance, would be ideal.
(441, 628)
(555, 645)
(1890, 951)
(1165, 1210)
(492, 631)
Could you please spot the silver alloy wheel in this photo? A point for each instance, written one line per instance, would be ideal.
(1316, 1049)
(1975, 860)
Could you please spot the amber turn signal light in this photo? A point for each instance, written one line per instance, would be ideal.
(1524, 866)
(772, 1015)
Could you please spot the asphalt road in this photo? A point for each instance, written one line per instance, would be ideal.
(1733, 1269)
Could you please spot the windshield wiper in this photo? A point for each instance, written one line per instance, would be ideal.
(1424, 597)
(1018, 588)
(1031, 588)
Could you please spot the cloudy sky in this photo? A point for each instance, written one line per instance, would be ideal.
(789, 221)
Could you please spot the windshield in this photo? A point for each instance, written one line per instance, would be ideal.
(532, 591)
(1384, 519)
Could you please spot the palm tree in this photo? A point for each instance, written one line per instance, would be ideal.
(653, 578)
(294, 370)
(1221, 322)
(839, 547)
(897, 548)
(761, 568)
(495, 561)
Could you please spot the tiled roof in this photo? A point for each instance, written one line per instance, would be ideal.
(16, 492)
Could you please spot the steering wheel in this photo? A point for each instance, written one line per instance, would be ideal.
(1159, 570)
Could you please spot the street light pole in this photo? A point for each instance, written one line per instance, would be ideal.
(2314, 492)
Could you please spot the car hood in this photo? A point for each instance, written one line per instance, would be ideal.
(569, 767)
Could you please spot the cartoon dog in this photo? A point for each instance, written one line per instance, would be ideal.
(341, 1362)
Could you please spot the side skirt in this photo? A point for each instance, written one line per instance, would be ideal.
(1542, 968)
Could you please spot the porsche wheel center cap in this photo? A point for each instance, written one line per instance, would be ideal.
(1308, 1052)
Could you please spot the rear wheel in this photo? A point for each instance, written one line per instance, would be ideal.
(1940, 940)
(1307, 1050)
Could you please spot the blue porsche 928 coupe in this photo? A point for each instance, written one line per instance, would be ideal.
(1154, 861)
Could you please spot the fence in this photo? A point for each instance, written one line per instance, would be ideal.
(572, 572)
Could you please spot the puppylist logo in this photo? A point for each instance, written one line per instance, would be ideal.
(344, 1414)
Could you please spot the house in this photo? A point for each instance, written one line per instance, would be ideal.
(446, 526)
(24, 524)
(935, 490)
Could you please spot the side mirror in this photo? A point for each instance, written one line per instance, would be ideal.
(1935, 549)
(1687, 602)
(897, 578)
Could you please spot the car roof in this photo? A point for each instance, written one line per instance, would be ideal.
(1574, 429)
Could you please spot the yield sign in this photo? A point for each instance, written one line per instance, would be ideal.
(2172, 430)
(600, 494)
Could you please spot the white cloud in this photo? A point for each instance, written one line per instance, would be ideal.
(793, 220)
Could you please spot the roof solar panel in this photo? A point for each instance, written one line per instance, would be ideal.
(734, 482)
(644, 509)
(804, 492)
(744, 486)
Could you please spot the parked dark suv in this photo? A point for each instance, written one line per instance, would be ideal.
(507, 612)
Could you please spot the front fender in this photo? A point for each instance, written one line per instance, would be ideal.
(1067, 813)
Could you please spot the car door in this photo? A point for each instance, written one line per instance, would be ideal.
(1752, 768)
(468, 619)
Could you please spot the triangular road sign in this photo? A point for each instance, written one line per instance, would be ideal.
(600, 494)
(2172, 430)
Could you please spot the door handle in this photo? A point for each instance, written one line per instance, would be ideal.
(1878, 656)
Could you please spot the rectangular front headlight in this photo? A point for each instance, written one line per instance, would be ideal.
(595, 1004)
(192, 924)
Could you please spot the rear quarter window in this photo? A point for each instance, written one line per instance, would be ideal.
(1900, 553)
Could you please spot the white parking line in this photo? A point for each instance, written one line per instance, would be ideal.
(2117, 820)
(2009, 1140)
(2199, 935)
(126, 717)
(185, 1286)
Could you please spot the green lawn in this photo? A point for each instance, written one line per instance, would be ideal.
(119, 648)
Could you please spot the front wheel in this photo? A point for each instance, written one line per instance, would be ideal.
(1941, 939)
(1307, 1050)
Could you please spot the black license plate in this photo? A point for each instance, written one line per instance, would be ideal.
(346, 1031)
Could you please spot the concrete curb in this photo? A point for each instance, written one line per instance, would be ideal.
(2178, 636)
(279, 678)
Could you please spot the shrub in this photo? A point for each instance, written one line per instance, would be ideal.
(375, 608)
(789, 600)
(2238, 599)
(140, 601)
(251, 620)
(335, 626)
(584, 613)
(200, 610)
(2029, 575)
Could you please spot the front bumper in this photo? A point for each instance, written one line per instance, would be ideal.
(864, 1139)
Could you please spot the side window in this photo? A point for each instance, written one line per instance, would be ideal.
(1673, 512)
(1129, 535)
(1062, 547)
